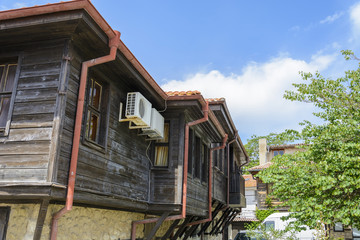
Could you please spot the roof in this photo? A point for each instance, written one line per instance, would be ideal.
(260, 167)
(274, 147)
(96, 16)
(249, 181)
(183, 93)
(215, 100)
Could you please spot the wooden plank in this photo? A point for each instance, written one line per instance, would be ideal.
(47, 81)
(36, 95)
(28, 134)
(31, 148)
(24, 161)
(23, 175)
(42, 107)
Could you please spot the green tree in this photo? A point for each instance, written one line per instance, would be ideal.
(322, 183)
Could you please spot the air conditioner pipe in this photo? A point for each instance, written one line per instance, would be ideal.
(210, 182)
(205, 110)
(113, 44)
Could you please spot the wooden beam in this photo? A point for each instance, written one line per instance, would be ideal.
(182, 228)
(41, 219)
(214, 214)
(224, 215)
(157, 225)
(170, 230)
(192, 229)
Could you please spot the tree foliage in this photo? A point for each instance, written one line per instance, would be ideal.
(322, 183)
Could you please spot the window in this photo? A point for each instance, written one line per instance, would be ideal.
(269, 225)
(278, 152)
(338, 227)
(190, 153)
(356, 234)
(4, 219)
(162, 149)
(204, 165)
(7, 89)
(197, 162)
(96, 119)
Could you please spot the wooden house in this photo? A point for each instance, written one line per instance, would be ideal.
(67, 137)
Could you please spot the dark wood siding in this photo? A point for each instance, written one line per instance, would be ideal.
(122, 167)
(25, 152)
(166, 186)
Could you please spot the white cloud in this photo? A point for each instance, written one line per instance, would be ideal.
(255, 97)
(20, 5)
(332, 18)
(355, 19)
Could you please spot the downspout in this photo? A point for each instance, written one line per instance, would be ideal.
(210, 182)
(205, 109)
(113, 44)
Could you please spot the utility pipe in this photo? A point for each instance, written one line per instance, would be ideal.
(210, 182)
(205, 109)
(113, 44)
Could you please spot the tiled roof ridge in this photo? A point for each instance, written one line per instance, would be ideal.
(285, 145)
(183, 93)
(221, 99)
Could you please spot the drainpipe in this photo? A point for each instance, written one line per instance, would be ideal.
(113, 44)
(205, 109)
(210, 182)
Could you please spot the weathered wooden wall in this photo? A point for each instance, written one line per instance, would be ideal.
(122, 168)
(166, 184)
(25, 153)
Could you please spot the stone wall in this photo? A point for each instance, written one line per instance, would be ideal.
(80, 223)
(22, 221)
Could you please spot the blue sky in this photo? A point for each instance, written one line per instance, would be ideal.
(246, 51)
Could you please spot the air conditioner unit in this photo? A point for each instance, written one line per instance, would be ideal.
(156, 129)
(138, 109)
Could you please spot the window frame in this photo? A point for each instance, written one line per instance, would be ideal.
(10, 59)
(278, 152)
(103, 110)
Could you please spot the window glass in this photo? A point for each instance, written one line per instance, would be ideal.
(190, 153)
(356, 232)
(338, 227)
(4, 109)
(197, 157)
(204, 163)
(96, 113)
(278, 152)
(7, 80)
(269, 225)
(162, 148)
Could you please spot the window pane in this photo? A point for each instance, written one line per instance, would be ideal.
(338, 227)
(2, 78)
(166, 134)
(10, 78)
(92, 126)
(161, 156)
(356, 232)
(96, 101)
(269, 225)
(4, 110)
(190, 155)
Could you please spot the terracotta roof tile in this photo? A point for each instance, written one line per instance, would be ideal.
(260, 167)
(249, 181)
(215, 99)
(183, 93)
(273, 147)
